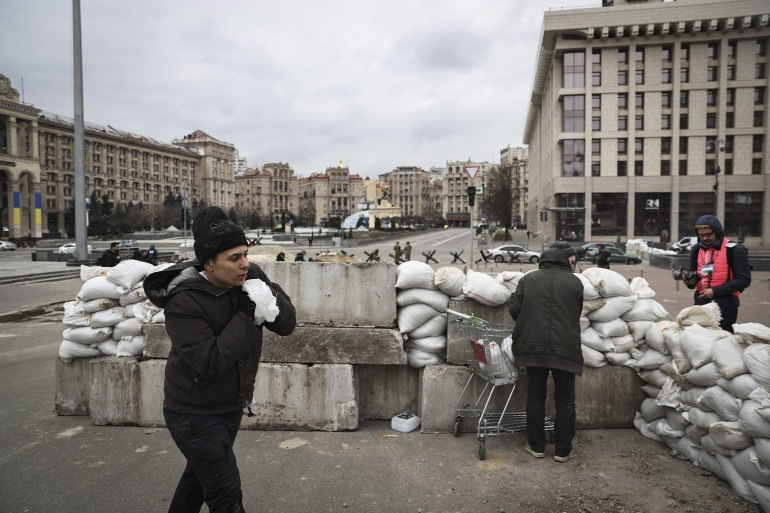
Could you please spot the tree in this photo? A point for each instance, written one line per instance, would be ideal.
(497, 200)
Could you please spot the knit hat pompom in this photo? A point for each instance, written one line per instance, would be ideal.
(214, 232)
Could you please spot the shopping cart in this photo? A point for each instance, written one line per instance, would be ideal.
(489, 357)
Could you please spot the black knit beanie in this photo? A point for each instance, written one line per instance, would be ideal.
(564, 247)
(214, 232)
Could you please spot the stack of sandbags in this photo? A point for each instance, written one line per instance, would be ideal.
(107, 315)
(421, 312)
(709, 397)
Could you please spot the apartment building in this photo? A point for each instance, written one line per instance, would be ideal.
(517, 159)
(646, 115)
(455, 192)
(270, 192)
(334, 193)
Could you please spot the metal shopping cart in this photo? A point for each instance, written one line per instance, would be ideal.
(489, 357)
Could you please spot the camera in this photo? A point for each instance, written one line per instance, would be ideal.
(690, 277)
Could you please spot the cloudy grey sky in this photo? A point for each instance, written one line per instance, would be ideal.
(379, 84)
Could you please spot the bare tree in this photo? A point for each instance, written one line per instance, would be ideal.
(497, 200)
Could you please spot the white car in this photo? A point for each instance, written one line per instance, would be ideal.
(501, 253)
(684, 245)
(7, 246)
(69, 248)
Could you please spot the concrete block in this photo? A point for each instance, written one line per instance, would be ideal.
(151, 375)
(384, 391)
(456, 340)
(304, 398)
(334, 294)
(607, 397)
(115, 391)
(73, 387)
(157, 341)
(311, 344)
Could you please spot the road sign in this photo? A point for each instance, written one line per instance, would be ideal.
(472, 171)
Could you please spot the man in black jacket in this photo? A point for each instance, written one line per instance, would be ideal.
(546, 339)
(212, 365)
(111, 257)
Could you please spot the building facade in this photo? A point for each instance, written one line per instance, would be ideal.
(335, 193)
(518, 160)
(646, 115)
(270, 193)
(456, 181)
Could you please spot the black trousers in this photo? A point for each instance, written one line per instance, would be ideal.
(564, 397)
(211, 474)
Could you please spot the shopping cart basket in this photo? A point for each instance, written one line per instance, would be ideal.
(489, 356)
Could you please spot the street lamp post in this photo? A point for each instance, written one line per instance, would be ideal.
(717, 146)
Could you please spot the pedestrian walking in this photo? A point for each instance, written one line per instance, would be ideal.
(407, 251)
(397, 253)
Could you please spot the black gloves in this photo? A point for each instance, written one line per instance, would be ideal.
(246, 305)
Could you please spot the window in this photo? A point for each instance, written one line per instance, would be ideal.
(622, 100)
(756, 166)
(622, 146)
(711, 120)
(728, 166)
(683, 145)
(639, 76)
(682, 168)
(711, 73)
(761, 50)
(710, 167)
(759, 96)
(759, 70)
(596, 78)
(596, 168)
(573, 152)
(756, 143)
(711, 97)
(622, 168)
(665, 99)
(596, 147)
(639, 122)
(596, 102)
(639, 146)
(622, 55)
(731, 72)
(713, 50)
(665, 122)
(640, 55)
(665, 168)
(684, 75)
(665, 145)
(574, 69)
(596, 58)
(623, 77)
(684, 53)
(730, 97)
(574, 113)
(596, 123)
(667, 52)
(638, 168)
(639, 100)
(759, 117)
(683, 122)
(665, 76)
(684, 98)
(729, 142)
(729, 119)
(622, 123)
(732, 49)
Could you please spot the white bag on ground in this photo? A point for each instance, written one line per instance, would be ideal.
(87, 335)
(484, 289)
(134, 295)
(727, 354)
(703, 419)
(740, 386)
(131, 346)
(592, 358)
(75, 315)
(429, 344)
(107, 317)
(644, 428)
(639, 329)
(613, 308)
(592, 339)
(762, 446)
(709, 462)
(608, 282)
(645, 309)
(88, 272)
(413, 316)
(69, 350)
(449, 280)
(436, 299)
(705, 376)
(98, 288)
(590, 305)
(652, 359)
(697, 343)
(617, 358)
(682, 363)
(144, 310)
(433, 327)
(127, 328)
(730, 436)
(761, 494)
(724, 403)
(109, 347)
(416, 358)
(159, 317)
(589, 289)
(751, 422)
(641, 288)
(128, 273)
(510, 279)
(757, 358)
(414, 274)
(651, 410)
(613, 328)
(738, 484)
(654, 336)
(752, 332)
(624, 343)
(707, 315)
(96, 305)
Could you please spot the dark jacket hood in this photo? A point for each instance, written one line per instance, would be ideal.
(554, 258)
(713, 222)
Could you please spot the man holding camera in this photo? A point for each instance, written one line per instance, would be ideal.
(719, 270)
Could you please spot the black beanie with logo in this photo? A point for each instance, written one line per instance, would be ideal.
(214, 232)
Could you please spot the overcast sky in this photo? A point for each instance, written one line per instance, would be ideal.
(379, 84)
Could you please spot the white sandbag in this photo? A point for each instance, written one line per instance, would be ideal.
(730, 435)
(484, 289)
(707, 315)
(144, 310)
(761, 494)
(635, 352)
(757, 358)
(433, 327)
(592, 339)
(641, 288)
(651, 410)
(109, 347)
(75, 315)
(644, 428)
(669, 394)
(691, 397)
(624, 343)
(652, 359)
(703, 419)
(694, 434)
(613, 308)
(429, 344)
(128, 311)
(668, 434)
(69, 350)
(128, 273)
(87, 335)
(650, 391)
(416, 358)
(685, 449)
(655, 378)
(411, 317)
(738, 484)
(590, 305)
(159, 317)
(762, 396)
(710, 445)
(645, 309)
(434, 298)
(415, 274)
(751, 422)
(705, 376)
(670, 370)
(728, 356)
(639, 329)
(131, 346)
(654, 335)
(99, 304)
(98, 288)
(698, 342)
(708, 461)
(762, 446)
(617, 358)
(608, 282)
(592, 358)
(449, 280)
(127, 328)
(753, 332)
(613, 328)
(672, 337)
(584, 323)
(590, 291)
(740, 386)
(88, 272)
(107, 317)
(134, 295)
(724, 403)
(510, 279)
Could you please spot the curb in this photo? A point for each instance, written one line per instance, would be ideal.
(18, 315)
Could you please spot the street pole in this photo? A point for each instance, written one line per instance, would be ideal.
(81, 228)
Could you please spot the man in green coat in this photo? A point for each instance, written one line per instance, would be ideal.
(546, 339)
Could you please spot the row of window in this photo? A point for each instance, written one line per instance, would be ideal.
(666, 75)
(573, 149)
(622, 166)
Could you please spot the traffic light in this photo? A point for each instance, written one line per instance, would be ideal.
(544, 215)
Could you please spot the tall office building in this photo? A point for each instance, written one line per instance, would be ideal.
(646, 115)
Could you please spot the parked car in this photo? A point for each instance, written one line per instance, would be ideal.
(591, 247)
(7, 246)
(69, 248)
(617, 257)
(684, 245)
(128, 245)
(500, 254)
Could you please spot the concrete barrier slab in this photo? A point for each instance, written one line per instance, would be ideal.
(115, 391)
(73, 387)
(385, 391)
